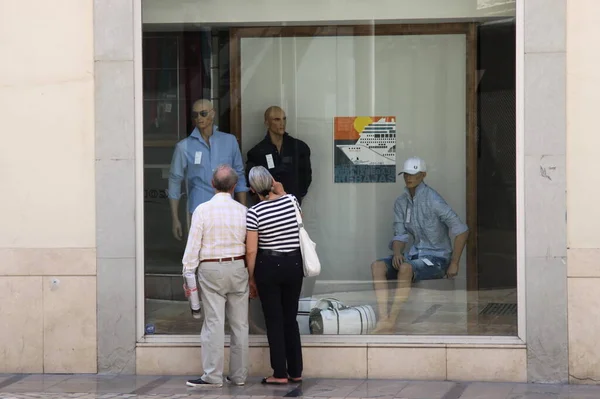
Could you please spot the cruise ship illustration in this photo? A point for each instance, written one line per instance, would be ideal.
(375, 146)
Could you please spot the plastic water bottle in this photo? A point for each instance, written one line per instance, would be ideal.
(192, 293)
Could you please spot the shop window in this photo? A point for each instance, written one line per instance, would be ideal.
(364, 99)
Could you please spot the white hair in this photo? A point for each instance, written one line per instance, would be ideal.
(224, 178)
(261, 180)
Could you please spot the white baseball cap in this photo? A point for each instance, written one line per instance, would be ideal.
(414, 165)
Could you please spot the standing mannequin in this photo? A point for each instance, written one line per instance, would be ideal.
(288, 161)
(196, 157)
(286, 158)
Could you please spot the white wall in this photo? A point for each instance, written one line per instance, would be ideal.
(47, 206)
(582, 140)
(419, 79)
(47, 125)
(583, 186)
(277, 11)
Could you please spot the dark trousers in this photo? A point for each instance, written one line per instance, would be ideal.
(279, 282)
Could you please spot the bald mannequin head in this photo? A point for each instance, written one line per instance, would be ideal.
(275, 120)
(224, 179)
(203, 114)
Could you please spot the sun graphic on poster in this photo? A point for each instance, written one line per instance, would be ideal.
(361, 122)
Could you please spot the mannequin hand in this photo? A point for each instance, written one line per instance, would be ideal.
(177, 232)
(452, 270)
(397, 260)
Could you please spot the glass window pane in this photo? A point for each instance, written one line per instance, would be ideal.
(366, 100)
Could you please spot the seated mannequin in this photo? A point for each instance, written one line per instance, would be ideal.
(421, 213)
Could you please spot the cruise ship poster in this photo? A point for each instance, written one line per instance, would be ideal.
(364, 149)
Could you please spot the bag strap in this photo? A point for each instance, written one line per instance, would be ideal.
(298, 216)
(332, 303)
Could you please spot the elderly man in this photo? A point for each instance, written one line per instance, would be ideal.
(419, 212)
(286, 158)
(195, 159)
(217, 243)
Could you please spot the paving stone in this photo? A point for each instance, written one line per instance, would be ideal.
(38, 387)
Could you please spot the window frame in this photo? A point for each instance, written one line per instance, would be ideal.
(361, 340)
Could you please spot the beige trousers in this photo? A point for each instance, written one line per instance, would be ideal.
(224, 293)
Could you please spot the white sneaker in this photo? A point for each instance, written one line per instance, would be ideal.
(202, 384)
(239, 384)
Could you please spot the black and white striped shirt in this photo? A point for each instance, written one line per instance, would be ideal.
(276, 224)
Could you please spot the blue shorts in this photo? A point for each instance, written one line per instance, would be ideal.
(421, 270)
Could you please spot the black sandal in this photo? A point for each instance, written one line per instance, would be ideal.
(295, 380)
(267, 382)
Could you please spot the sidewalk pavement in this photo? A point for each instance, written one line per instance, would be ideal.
(21, 386)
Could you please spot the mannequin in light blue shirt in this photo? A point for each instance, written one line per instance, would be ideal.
(422, 214)
(194, 160)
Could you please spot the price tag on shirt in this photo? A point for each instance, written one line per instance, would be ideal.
(408, 212)
(427, 262)
(198, 157)
(270, 163)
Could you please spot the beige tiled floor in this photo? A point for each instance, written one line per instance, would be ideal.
(429, 310)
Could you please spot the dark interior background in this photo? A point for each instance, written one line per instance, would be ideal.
(496, 163)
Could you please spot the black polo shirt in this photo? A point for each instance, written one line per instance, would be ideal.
(291, 166)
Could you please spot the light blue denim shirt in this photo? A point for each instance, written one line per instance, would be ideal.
(429, 220)
(194, 161)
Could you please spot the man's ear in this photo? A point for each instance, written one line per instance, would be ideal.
(212, 183)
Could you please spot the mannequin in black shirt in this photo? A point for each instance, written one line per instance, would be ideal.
(286, 158)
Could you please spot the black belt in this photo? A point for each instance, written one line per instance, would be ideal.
(270, 252)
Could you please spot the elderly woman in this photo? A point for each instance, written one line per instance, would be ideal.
(275, 269)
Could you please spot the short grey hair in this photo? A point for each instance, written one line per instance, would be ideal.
(261, 180)
(224, 178)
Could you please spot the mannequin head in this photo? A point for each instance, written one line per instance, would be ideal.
(414, 172)
(203, 114)
(412, 181)
(275, 120)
